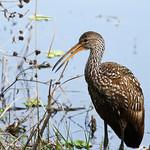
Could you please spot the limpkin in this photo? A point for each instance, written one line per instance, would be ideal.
(114, 90)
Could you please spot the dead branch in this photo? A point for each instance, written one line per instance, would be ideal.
(45, 120)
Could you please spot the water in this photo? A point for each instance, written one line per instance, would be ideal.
(124, 26)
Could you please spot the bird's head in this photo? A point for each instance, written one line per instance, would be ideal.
(88, 41)
(91, 40)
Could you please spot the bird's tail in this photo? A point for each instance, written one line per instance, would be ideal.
(132, 136)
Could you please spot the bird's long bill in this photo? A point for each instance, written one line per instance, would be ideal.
(68, 55)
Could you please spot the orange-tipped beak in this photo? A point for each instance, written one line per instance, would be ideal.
(74, 50)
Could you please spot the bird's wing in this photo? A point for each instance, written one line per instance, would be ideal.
(119, 84)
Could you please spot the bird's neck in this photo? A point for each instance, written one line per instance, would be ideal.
(93, 64)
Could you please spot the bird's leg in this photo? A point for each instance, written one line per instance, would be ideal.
(105, 136)
(123, 126)
(122, 141)
(121, 145)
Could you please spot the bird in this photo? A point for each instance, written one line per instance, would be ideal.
(114, 90)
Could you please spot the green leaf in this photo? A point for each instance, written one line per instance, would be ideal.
(1, 110)
(32, 102)
(50, 55)
(57, 53)
(79, 144)
(40, 18)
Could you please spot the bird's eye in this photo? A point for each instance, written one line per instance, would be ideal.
(85, 40)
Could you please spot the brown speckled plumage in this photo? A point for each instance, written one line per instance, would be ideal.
(115, 92)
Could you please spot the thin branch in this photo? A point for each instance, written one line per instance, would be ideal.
(46, 120)
(32, 133)
(45, 83)
(76, 77)
(58, 81)
(2, 93)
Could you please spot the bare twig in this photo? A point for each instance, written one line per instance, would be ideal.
(58, 81)
(45, 120)
(32, 133)
(16, 79)
(76, 77)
